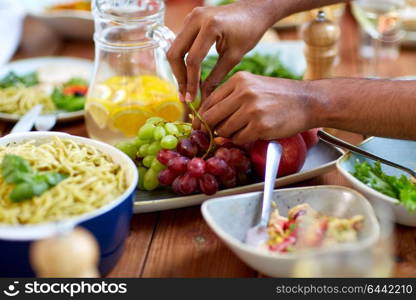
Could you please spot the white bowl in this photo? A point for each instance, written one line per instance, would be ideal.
(231, 217)
(400, 151)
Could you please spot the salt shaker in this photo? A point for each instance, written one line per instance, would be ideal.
(70, 254)
(321, 39)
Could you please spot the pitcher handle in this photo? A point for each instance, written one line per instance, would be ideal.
(164, 36)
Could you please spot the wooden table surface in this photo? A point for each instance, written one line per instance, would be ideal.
(178, 243)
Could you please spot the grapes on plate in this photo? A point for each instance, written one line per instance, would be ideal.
(173, 155)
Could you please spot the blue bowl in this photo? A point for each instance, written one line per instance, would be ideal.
(109, 224)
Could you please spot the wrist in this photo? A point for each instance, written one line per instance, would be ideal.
(265, 11)
(318, 104)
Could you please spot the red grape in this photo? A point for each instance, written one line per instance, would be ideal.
(196, 167)
(208, 184)
(224, 154)
(164, 156)
(229, 180)
(166, 177)
(176, 185)
(236, 157)
(187, 148)
(188, 184)
(244, 166)
(178, 165)
(200, 139)
(216, 166)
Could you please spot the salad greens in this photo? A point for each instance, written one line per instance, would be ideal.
(401, 188)
(28, 183)
(225, 2)
(258, 64)
(12, 79)
(71, 96)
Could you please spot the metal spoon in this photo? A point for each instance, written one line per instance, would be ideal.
(45, 122)
(258, 234)
(330, 139)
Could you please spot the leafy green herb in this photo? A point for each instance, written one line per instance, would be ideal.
(12, 79)
(258, 64)
(28, 183)
(401, 188)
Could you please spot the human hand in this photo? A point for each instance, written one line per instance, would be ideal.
(235, 28)
(250, 107)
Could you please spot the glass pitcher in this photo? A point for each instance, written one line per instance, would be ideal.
(132, 78)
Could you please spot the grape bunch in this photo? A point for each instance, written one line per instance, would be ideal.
(189, 171)
(155, 135)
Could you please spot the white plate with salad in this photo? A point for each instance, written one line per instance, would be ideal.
(60, 84)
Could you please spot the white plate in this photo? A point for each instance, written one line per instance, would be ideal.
(320, 159)
(25, 66)
(68, 23)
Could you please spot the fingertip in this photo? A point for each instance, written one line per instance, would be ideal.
(188, 97)
(181, 97)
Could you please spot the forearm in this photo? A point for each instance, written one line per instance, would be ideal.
(284, 8)
(371, 107)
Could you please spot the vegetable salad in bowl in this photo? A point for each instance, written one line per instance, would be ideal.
(306, 228)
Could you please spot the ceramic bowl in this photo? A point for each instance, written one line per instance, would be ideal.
(109, 224)
(400, 151)
(231, 217)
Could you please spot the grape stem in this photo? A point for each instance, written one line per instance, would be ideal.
(204, 123)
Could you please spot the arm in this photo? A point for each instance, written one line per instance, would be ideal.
(255, 107)
(371, 107)
(234, 28)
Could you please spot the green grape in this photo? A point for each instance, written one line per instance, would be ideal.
(143, 150)
(169, 142)
(151, 180)
(154, 148)
(171, 129)
(159, 133)
(157, 166)
(146, 131)
(128, 148)
(186, 129)
(139, 142)
(147, 161)
(142, 172)
(154, 120)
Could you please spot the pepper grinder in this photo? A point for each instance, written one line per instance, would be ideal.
(69, 254)
(321, 38)
(321, 49)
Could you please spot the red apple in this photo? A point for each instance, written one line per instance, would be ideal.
(310, 137)
(293, 156)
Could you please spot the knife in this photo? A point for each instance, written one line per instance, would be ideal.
(26, 122)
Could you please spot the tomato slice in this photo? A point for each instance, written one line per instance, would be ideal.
(79, 90)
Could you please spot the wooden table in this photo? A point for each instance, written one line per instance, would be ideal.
(178, 243)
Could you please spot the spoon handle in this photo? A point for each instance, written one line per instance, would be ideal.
(274, 153)
(330, 139)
